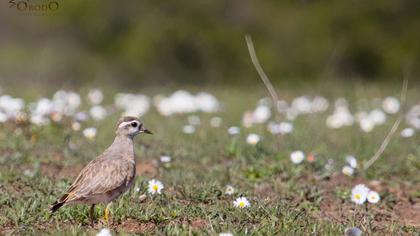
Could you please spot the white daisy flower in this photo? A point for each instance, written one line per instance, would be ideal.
(234, 130)
(391, 105)
(341, 116)
(241, 202)
(188, 129)
(104, 232)
(98, 112)
(95, 96)
(206, 102)
(302, 104)
(90, 133)
(377, 116)
(352, 161)
(347, 170)
(285, 127)
(76, 126)
(319, 104)
(261, 114)
(226, 234)
(413, 117)
(229, 190)
(407, 132)
(359, 193)
(373, 197)
(216, 121)
(11, 106)
(66, 102)
(35, 119)
(132, 104)
(297, 157)
(165, 159)
(3, 117)
(154, 186)
(366, 125)
(253, 139)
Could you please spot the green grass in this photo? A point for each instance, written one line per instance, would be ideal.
(37, 166)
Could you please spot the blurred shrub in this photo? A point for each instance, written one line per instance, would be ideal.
(203, 41)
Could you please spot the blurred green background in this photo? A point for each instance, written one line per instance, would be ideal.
(145, 43)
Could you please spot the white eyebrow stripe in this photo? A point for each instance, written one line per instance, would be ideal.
(124, 123)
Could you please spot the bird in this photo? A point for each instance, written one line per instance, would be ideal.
(109, 175)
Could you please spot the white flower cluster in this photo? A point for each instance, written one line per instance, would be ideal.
(63, 103)
(10, 107)
(280, 128)
(240, 202)
(41, 112)
(132, 104)
(413, 117)
(260, 115)
(341, 116)
(299, 106)
(367, 121)
(360, 193)
(351, 165)
(184, 102)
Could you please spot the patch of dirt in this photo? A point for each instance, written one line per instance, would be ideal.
(264, 190)
(408, 214)
(134, 226)
(198, 224)
(7, 229)
(15, 188)
(55, 170)
(396, 205)
(7, 152)
(147, 168)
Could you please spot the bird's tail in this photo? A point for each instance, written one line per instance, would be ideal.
(59, 203)
(55, 206)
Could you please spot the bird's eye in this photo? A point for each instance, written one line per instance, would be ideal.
(134, 124)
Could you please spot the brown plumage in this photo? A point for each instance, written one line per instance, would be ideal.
(109, 175)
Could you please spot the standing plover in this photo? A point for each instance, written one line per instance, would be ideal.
(109, 175)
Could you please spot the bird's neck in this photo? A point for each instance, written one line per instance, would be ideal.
(123, 146)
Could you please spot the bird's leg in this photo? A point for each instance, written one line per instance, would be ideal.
(106, 216)
(92, 213)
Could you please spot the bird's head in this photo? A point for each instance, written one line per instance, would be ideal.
(130, 126)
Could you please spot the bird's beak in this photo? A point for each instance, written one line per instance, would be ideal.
(143, 130)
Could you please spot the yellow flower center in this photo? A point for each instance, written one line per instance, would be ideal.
(155, 187)
(241, 204)
(357, 196)
(372, 197)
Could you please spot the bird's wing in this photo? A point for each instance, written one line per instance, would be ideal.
(83, 174)
(100, 176)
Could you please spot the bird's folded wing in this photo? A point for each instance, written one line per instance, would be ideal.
(101, 176)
